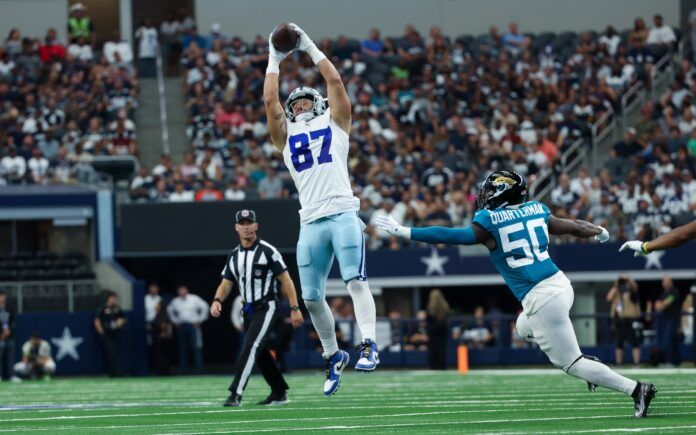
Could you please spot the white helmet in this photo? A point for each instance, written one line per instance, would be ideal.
(318, 104)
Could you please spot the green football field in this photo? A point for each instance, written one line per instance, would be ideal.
(483, 401)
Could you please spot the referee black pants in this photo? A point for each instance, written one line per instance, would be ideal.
(255, 351)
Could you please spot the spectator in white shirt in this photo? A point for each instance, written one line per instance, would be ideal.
(234, 192)
(147, 48)
(187, 312)
(152, 298)
(81, 50)
(118, 51)
(38, 166)
(180, 194)
(661, 34)
(12, 166)
(611, 39)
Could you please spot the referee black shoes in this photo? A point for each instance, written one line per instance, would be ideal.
(233, 400)
(275, 399)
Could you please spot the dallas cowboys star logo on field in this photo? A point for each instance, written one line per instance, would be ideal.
(435, 263)
(654, 259)
(67, 345)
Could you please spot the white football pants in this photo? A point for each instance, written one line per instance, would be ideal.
(550, 327)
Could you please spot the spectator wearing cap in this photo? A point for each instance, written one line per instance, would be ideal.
(216, 34)
(187, 312)
(80, 25)
(147, 48)
(629, 146)
(661, 34)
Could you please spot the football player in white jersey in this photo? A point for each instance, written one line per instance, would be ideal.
(314, 140)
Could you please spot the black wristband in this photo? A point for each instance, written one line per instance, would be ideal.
(295, 308)
(218, 300)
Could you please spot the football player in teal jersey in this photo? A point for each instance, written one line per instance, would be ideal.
(516, 232)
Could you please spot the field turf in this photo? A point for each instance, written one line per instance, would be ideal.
(483, 401)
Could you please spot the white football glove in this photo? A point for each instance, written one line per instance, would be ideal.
(634, 245)
(603, 236)
(307, 45)
(306, 42)
(388, 224)
(274, 57)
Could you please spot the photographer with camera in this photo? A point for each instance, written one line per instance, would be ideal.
(626, 316)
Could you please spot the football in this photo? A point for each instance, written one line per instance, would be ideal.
(284, 38)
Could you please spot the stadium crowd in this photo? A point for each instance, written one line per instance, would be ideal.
(431, 116)
(63, 103)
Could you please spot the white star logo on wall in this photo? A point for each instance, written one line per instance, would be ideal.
(67, 345)
(654, 259)
(435, 263)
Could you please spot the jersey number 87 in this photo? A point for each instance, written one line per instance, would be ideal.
(301, 154)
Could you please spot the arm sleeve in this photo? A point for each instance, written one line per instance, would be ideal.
(450, 236)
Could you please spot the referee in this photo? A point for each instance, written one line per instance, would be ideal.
(258, 271)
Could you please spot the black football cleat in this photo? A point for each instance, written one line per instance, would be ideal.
(641, 402)
(234, 400)
(275, 399)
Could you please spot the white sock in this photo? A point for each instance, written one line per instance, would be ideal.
(324, 323)
(364, 305)
(600, 374)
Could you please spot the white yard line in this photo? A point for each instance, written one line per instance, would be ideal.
(501, 408)
(415, 424)
(403, 415)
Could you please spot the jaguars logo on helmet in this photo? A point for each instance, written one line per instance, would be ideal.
(502, 188)
(305, 93)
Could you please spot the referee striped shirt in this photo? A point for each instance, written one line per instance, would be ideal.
(254, 270)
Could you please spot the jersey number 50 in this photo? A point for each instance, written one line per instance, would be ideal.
(301, 154)
(529, 254)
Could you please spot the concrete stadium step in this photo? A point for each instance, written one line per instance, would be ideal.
(147, 120)
(176, 116)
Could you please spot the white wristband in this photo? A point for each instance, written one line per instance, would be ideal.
(316, 54)
(405, 232)
(273, 67)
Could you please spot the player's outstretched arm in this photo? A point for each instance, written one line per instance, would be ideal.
(275, 114)
(438, 235)
(338, 97)
(676, 237)
(577, 228)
